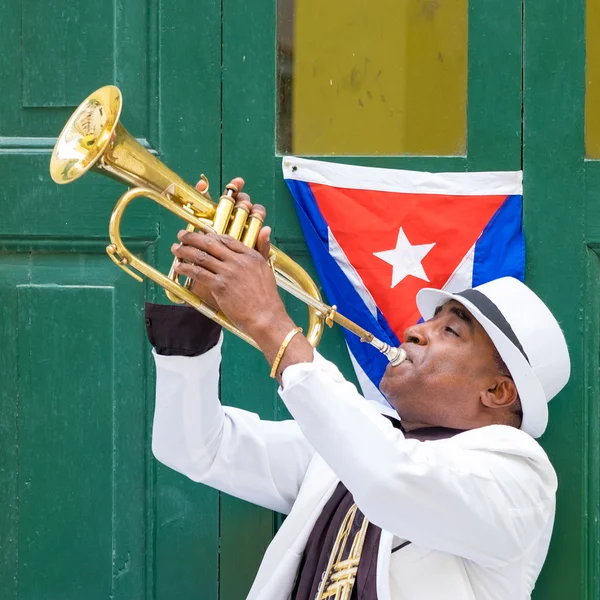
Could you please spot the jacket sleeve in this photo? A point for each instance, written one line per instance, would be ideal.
(227, 448)
(485, 495)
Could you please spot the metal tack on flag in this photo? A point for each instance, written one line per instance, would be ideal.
(377, 236)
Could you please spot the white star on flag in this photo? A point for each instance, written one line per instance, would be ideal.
(405, 259)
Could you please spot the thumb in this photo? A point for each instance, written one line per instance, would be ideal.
(263, 242)
(201, 187)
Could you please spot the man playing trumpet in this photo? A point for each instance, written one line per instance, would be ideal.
(454, 500)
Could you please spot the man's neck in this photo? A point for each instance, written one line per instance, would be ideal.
(407, 426)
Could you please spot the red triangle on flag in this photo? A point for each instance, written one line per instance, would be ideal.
(366, 222)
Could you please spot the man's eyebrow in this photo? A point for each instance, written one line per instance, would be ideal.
(461, 313)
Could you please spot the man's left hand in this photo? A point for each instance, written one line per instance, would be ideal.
(241, 282)
(239, 278)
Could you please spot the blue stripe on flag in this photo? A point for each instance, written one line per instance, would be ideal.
(338, 288)
(500, 250)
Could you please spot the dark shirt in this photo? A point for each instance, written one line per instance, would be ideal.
(183, 331)
(320, 544)
(180, 330)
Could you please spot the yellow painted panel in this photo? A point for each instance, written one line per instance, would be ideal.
(386, 77)
(592, 92)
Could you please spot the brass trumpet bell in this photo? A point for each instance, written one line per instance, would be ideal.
(94, 139)
(86, 135)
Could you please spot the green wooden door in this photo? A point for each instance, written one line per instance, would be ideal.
(86, 512)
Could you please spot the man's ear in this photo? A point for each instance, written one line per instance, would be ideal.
(502, 394)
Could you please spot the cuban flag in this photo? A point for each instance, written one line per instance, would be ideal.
(377, 236)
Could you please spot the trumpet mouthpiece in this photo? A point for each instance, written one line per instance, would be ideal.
(396, 356)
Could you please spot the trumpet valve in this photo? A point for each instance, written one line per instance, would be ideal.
(253, 227)
(238, 221)
(223, 212)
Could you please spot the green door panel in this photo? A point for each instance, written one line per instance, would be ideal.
(73, 425)
(65, 466)
(87, 510)
(53, 58)
(590, 575)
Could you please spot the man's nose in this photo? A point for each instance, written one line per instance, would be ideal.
(416, 334)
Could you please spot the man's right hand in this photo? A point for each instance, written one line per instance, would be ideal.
(263, 244)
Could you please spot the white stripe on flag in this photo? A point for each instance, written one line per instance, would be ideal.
(350, 272)
(393, 180)
(462, 278)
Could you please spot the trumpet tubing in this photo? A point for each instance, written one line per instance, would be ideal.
(94, 139)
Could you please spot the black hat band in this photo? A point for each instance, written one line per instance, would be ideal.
(492, 312)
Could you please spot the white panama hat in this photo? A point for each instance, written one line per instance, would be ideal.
(526, 335)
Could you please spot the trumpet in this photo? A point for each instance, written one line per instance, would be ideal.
(93, 139)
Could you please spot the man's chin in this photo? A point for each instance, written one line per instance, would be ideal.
(392, 376)
(384, 388)
(390, 395)
(401, 399)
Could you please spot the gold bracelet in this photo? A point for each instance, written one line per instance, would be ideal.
(282, 348)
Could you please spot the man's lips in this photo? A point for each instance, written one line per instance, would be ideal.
(412, 355)
(410, 352)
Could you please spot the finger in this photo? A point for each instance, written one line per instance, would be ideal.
(199, 274)
(263, 242)
(201, 186)
(197, 257)
(260, 211)
(234, 245)
(244, 199)
(238, 182)
(207, 242)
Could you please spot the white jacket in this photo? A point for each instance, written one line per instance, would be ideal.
(478, 507)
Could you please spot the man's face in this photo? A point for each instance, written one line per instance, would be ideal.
(450, 362)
